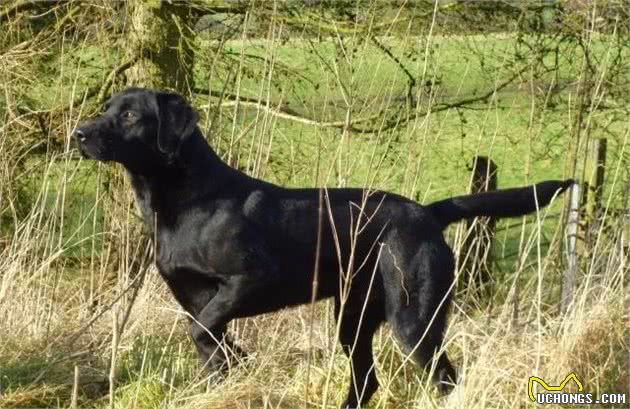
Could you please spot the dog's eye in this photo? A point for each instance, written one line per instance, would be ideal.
(128, 115)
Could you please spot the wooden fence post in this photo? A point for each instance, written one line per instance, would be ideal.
(476, 253)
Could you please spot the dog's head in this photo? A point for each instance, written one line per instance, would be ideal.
(138, 128)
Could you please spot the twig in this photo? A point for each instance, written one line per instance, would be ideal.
(112, 369)
(443, 107)
(101, 91)
(57, 361)
(286, 113)
(388, 52)
(115, 73)
(137, 281)
(223, 95)
(315, 284)
(350, 27)
(75, 388)
(145, 266)
(201, 8)
(25, 6)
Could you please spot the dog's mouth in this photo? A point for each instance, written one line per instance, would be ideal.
(83, 152)
(89, 151)
(77, 143)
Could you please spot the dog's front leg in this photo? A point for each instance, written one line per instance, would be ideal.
(209, 327)
(194, 291)
(215, 347)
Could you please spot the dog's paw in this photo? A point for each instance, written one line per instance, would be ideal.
(445, 380)
(347, 405)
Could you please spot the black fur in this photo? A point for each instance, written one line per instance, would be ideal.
(503, 203)
(232, 246)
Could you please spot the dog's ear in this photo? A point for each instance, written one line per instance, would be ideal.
(176, 121)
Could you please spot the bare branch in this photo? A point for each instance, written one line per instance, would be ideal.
(114, 74)
(288, 114)
(24, 6)
(292, 116)
(388, 52)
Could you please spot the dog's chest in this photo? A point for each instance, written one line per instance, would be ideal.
(200, 242)
(183, 247)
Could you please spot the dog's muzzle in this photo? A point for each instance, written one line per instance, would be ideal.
(88, 146)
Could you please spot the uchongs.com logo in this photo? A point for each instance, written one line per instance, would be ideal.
(555, 394)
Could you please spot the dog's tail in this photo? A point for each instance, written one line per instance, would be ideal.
(500, 203)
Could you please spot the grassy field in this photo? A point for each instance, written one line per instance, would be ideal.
(70, 260)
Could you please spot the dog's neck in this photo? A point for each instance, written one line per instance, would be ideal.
(196, 174)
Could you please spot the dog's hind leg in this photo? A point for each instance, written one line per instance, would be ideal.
(356, 331)
(417, 307)
(423, 339)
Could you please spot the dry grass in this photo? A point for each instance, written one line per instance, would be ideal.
(156, 366)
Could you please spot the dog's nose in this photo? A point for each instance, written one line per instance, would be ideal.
(80, 135)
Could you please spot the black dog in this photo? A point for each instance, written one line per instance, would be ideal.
(232, 246)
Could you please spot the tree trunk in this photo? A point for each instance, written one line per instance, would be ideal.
(160, 33)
